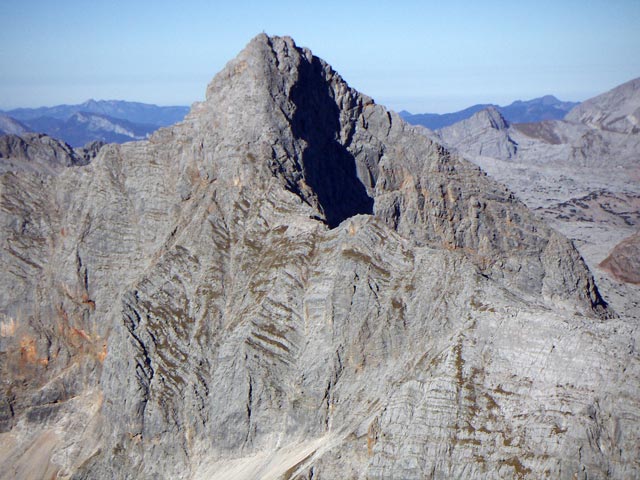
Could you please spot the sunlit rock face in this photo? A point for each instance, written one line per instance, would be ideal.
(294, 283)
(580, 174)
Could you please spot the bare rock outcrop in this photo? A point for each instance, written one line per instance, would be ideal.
(486, 133)
(581, 174)
(38, 152)
(624, 260)
(294, 283)
(617, 110)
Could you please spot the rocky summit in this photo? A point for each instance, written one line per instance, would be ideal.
(293, 283)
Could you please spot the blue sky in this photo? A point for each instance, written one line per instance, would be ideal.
(423, 56)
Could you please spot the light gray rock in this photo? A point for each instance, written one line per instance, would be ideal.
(581, 174)
(9, 125)
(617, 110)
(294, 283)
(486, 133)
(38, 152)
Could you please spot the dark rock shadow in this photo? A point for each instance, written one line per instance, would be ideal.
(328, 167)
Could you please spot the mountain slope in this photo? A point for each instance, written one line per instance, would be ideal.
(10, 125)
(617, 110)
(486, 133)
(294, 283)
(580, 173)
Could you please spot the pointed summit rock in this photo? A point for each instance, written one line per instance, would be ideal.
(485, 134)
(294, 283)
(342, 154)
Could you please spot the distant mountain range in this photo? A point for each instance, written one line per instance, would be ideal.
(83, 127)
(104, 120)
(536, 110)
(118, 121)
(132, 111)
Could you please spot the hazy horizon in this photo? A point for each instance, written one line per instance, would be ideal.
(396, 100)
(415, 56)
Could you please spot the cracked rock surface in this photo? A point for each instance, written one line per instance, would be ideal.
(293, 283)
(581, 174)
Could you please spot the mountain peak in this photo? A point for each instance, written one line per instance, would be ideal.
(90, 103)
(486, 132)
(549, 100)
(493, 117)
(263, 60)
(323, 140)
(275, 42)
(283, 88)
(291, 262)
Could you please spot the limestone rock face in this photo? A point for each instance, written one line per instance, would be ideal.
(486, 133)
(42, 153)
(617, 110)
(581, 174)
(294, 283)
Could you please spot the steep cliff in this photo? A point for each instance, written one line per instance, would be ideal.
(580, 174)
(294, 283)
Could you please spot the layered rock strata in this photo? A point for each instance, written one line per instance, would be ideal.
(294, 283)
